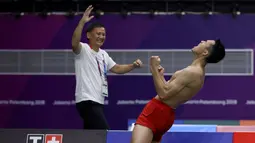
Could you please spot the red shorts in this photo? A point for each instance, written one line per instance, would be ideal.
(157, 116)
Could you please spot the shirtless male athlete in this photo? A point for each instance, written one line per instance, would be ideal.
(158, 115)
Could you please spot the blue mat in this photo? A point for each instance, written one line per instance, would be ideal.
(193, 128)
(192, 137)
(174, 137)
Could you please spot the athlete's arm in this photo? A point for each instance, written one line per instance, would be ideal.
(161, 71)
(159, 84)
(165, 90)
(76, 38)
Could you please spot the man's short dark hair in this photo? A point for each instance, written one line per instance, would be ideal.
(94, 25)
(217, 52)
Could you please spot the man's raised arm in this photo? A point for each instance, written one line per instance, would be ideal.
(76, 38)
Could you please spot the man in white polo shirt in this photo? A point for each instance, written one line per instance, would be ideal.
(91, 66)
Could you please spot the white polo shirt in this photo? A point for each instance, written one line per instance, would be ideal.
(88, 80)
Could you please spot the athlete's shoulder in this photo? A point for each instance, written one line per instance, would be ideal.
(191, 71)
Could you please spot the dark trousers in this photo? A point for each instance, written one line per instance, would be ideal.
(93, 115)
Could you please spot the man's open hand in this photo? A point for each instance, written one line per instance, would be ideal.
(86, 18)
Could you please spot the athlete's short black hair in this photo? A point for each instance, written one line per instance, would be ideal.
(93, 26)
(217, 52)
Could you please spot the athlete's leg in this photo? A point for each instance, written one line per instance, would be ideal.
(157, 138)
(141, 134)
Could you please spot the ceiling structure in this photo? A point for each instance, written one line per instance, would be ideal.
(152, 7)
